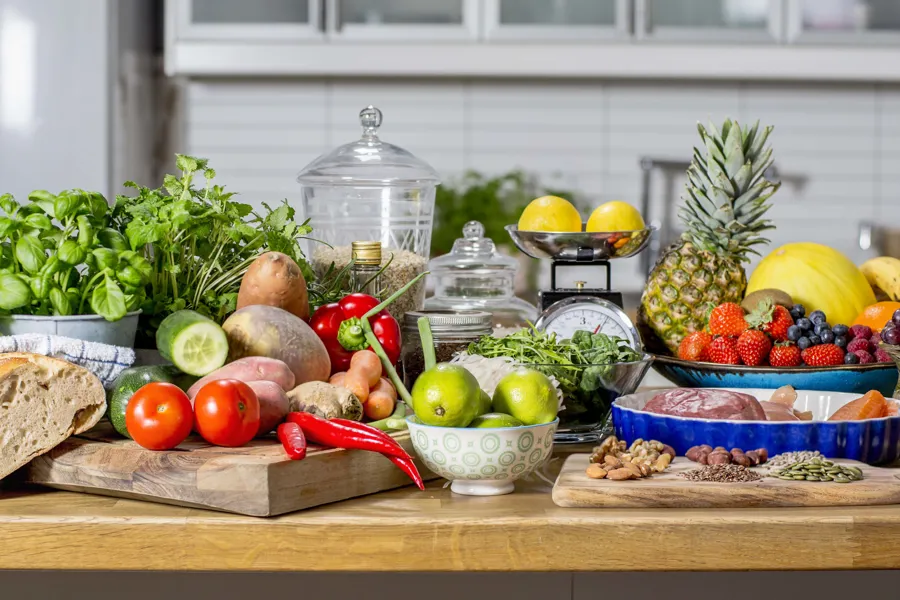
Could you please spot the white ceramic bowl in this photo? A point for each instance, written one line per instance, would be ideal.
(482, 462)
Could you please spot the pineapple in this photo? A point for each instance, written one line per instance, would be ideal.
(724, 202)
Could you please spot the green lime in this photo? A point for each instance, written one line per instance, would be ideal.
(446, 396)
(528, 396)
(485, 403)
(492, 420)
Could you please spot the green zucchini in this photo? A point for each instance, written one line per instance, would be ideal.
(133, 379)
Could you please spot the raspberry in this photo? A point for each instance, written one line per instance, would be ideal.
(859, 344)
(864, 357)
(861, 331)
(882, 356)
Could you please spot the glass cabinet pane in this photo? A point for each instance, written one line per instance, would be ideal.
(850, 15)
(240, 12)
(401, 12)
(708, 14)
(558, 12)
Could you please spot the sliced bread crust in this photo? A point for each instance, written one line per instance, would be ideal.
(43, 401)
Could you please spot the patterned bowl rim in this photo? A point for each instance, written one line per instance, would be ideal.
(418, 423)
(617, 406)
(660, 359)
(645, 359)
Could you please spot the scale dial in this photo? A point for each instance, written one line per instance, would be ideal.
(577, 313)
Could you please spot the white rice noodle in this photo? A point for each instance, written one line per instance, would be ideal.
(489, 371)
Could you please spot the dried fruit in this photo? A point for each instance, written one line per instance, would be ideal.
(753, 347)
(727, 319)
(784, 354)
(694, 346)
(823, 355)
(723, 350)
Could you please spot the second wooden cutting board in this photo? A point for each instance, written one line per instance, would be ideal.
(669, 490)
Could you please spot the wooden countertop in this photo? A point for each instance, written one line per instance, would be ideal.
(408, 530)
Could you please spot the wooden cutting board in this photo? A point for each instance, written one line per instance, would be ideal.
(669, 490)
(256, 480)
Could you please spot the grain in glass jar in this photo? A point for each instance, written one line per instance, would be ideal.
(452, 332)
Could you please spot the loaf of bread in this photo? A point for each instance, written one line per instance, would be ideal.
(43, 401)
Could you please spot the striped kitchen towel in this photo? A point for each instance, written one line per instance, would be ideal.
(103, 360)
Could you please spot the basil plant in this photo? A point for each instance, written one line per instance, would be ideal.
(59, 257)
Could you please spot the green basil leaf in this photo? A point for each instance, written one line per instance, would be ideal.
(70, 279)
(52, 267)
(52, 238)
(130, 276)
(108, 300)
(7, 226)
(110, 238)
(85, 232)
(66, 204)
(43, 200)
(38, 221)
(8, 204)
(72, 253)
(98, 205)
(143, 266)
(133, 301)
(30, 253)
(40, 286)
(106, 258)
(14, 292)
(62, 305)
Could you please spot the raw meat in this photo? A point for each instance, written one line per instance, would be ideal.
(706, 404)
(775, 411)
(786, 395)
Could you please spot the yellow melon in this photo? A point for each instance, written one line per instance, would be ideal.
(816, 276)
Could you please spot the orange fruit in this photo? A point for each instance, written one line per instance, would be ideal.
(877, 315)
(871, 406)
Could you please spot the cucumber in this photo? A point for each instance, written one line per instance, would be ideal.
(133, 379)
(193, 343)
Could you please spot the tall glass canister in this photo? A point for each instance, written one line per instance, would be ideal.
(372, 190)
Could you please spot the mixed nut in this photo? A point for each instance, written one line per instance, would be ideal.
(707, 455)
(614, 459)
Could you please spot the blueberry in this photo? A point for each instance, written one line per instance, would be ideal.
(827, 336)
(794, 333)
(800, 309)
(815, 340)
(804, 324)
(820, 327)
(841, 341)
(851, 359)
(803, 343)
(840, 329)
(817, 316)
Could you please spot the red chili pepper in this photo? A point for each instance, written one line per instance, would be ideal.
(336, 435)
(407, 466)
(370, 431)
(293, 440)
(339, 327)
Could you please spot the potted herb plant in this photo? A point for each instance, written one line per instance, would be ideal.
(64, 271)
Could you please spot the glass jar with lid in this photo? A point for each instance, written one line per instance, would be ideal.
(474, 276)
(375, 191)
(452, 332)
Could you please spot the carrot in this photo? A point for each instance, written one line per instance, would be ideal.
(338, 378)
(384, 386)
(379, 406)
(358, 383)
(368, 363)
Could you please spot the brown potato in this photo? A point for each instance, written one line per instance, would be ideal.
(274, 279)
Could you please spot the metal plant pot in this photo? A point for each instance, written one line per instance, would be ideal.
(90, 328)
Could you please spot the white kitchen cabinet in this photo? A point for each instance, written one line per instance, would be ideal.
(699, 21)
(858, 22)
(401, 20)
(243, 21)
(556, 20)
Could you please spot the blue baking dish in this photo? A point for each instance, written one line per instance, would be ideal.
(873, 441)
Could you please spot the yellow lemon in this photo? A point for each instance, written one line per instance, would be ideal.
(615, 216)
(550, 213)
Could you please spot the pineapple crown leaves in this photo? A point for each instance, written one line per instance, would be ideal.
(725, 196)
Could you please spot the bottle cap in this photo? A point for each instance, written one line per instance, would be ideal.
(366, 253)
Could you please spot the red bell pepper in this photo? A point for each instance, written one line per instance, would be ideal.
(339, 326)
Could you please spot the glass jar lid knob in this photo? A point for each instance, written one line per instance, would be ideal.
(370, 118)
(473, 230)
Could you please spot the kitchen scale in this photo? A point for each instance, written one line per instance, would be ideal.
(599, 309)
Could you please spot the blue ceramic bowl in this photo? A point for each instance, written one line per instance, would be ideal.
(856, 379)
(871, 441)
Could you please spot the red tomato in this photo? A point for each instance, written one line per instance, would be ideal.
(226, 412)
(159, 416)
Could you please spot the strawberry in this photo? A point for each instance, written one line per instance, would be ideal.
(727, 319)
(858, 344)
(773, 319)
(784, 355)
(864, 357)
(753, 346)
(695, 346)
(823, 355)
(860, 331)
(723, 350)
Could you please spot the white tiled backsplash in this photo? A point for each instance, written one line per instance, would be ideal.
(585, 136)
